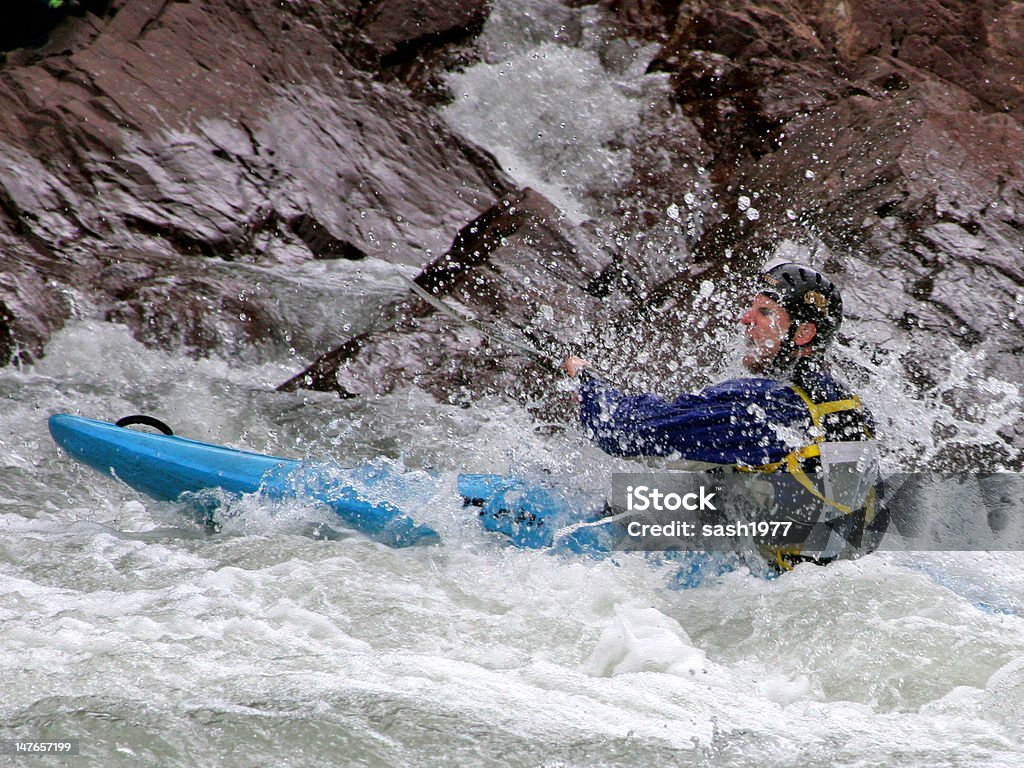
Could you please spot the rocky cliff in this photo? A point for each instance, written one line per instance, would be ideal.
(154, 153)
(145, 149)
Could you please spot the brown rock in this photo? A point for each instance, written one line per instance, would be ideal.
(975, 45)
(171, 134)
(31, 309)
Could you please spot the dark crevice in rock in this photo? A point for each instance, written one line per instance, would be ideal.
(182, 241)
(321, 243)
(7, 342)
(888, 208)
(897, 43)
(409, 55)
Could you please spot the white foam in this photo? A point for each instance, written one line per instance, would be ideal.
(555, 116)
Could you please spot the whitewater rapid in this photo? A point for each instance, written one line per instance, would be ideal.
(126, 626)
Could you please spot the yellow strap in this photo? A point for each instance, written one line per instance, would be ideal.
(780, 557)
(821, 410)
(807, 452)
(793, 465)
(792, 460)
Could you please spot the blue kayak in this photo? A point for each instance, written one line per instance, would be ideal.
(172, 468)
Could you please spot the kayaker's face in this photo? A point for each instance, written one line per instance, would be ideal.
(767, 325)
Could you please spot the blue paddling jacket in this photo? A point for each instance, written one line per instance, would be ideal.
(766, 424)
(746, 422)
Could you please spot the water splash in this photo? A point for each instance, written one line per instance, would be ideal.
(548, 105)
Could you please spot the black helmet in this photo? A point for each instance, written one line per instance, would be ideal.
(807, 295)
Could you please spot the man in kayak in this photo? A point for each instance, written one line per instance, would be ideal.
(792, 418)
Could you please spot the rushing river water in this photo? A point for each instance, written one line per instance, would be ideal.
(125, 626)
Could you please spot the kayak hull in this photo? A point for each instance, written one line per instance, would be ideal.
(168, 468)
(161, 466)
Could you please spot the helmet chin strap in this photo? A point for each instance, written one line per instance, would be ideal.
(787, 348)
(784, 359)
(787, 356)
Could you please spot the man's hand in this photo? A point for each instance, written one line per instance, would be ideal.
(573, 365)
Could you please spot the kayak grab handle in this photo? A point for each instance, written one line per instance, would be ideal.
(146, 421)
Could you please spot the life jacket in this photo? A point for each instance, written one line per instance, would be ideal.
(833, 481)
(839, 470)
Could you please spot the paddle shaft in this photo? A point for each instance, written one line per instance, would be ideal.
(490, 331)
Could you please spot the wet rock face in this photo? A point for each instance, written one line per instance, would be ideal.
(141, 147)
(31, 310)
(974, 45)
(153, 155)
